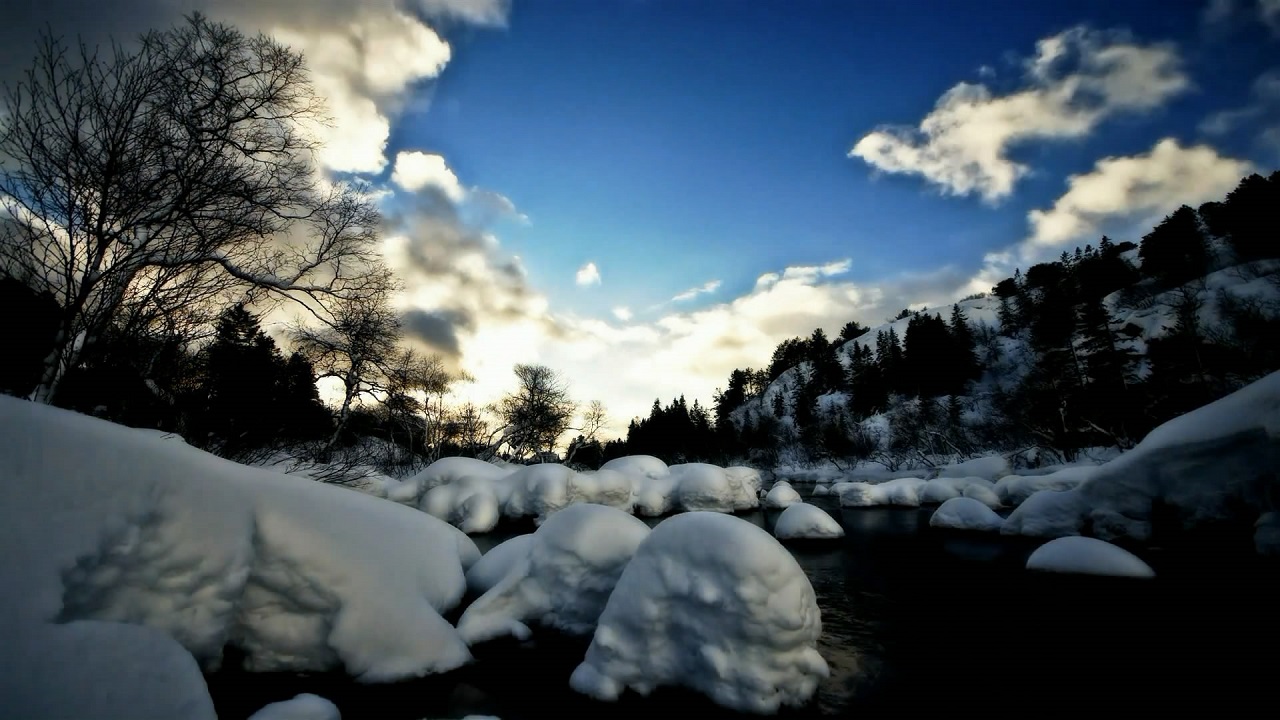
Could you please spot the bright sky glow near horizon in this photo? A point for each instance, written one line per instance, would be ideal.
(646, 194)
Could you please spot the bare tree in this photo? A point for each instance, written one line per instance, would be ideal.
(537, 413)
(353, 343)
(139, 182)
(594, 419)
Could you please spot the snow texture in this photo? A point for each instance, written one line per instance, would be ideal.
(715, 604)
(990, 467)
(942, 489)
(963, 513)
(1047, 513)
(1015, 489)
(1090, 556)
(802, 521)
(573, 562)
(302, 707)
(781, 495)
(498, 563)
(118, 526)
(821, 490)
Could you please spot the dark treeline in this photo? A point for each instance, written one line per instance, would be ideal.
(1060, 374)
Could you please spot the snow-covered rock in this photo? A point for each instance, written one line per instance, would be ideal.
(1219, 462)
(802, 521)
(638, 466)
(116, 526)
(821, 490)
(1048, 513)
(749, 484)
(942, 489)
(904, 492)
(700, 486)
(781, 495)
(656, 496)
(573, 561)
(1015, 489)
(498, 563)
(1088, 556)
(302, 707)
(713, 603)
(962, 513)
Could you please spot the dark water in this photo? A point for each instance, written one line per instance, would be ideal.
(913, 619)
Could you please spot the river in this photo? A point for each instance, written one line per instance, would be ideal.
(914, 618)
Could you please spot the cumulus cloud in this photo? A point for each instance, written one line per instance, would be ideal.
(623, 313)
(706, 288)
(1075, 80)
(415, 170)
(1120, 195)
(588, 274)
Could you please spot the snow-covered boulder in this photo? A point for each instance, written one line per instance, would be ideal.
(962, 513)
(441, 472)
(713, 603)
(121, 527)
(537, 491)
(802, 521)
(1047, 513)
(904, 492)
(1087, 556)
(942, 489)
(1217, 463)
(302, 707)
(1015, 489)
(700, 486)
(637, 466)
(498, 563)
(821, 490)
(749, 483)
(656, 495)
(781, 495)
(604, 487)
(574, 560)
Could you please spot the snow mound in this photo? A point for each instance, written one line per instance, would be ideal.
(656, 495)
(1015, 489)
(904, 492)
(638, 466)
(1047, 513)
(1217, 463)
(441, 472)
(991, 467)
(940, 490)
(1088, 556)
(713, 603)
(573, 562)
(127, 527)
(802, 521)
(498, 563)
(781, 495)
(749, 484)
(700, 486)
(302, 707)
(963, 513)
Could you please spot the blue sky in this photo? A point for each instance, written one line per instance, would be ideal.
(674, 142)
(806, 162)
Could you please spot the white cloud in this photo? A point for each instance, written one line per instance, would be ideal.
(1075, 80)
(623, 313)
(1269, 14)
(491, 13)
(1119, 195)
(588, 274)
(704, 289)
(1264, 103)
(415, 170)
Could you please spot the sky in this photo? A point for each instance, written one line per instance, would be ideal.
(647, 194)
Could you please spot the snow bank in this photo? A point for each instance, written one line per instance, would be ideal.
(802, 521)
(962, 513)
(781, 495)
(904, 492)
(302, 707)
(1218, 463)
(498, 563)
(126, 527)
(1015, 489)
(1088, 556)
(573, 562)
(713, 603)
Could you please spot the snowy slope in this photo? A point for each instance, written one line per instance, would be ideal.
(107, 524)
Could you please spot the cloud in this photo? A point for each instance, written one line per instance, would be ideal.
(415, 170)
(1225, 15)
(1120, 196)
(1264, 105)
(623, 313)
(588, 274)
(438, 329)
(1076, 80)
(706, 288)
(490, 13)
(1269, 14)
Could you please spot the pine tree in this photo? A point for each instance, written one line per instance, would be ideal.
(965, 357)
(1175, 251)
